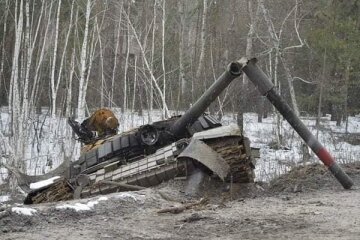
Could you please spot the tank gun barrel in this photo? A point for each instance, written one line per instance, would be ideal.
(232, 71)
(266, 88)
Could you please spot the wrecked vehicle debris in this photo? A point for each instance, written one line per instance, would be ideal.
(157, 152)
(151, 154)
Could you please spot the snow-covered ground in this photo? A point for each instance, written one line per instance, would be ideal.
(251, 211)
(274, 162)
(51, 141)
(82, 206)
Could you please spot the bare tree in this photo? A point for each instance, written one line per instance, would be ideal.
(253, 19)
(3, 42)
(276, 38)
(322, 79)
(202, 40)
(346, 93)
(152, 77)
(126, 67)
(134, 91)
(68, 112)
(83, 64)
(14, 95)
(163, 21)
(276, 46)
(182, 82)
(70, 28)
(54, 86)
(101, 50)
(249, 38)
(111, 99)
(44, 47)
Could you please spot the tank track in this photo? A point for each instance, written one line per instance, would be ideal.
(236, 152)
(61, 190)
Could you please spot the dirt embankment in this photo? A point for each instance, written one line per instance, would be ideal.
(306, 203)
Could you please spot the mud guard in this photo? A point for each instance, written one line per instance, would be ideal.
(202, 153)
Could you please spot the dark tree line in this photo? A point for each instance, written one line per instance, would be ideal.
(141, 55)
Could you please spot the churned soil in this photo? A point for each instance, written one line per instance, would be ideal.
(306, 203)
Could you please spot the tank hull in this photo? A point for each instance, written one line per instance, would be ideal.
(224, 154)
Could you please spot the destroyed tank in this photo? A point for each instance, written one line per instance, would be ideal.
(157, 152)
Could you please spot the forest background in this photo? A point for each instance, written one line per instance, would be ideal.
(71, 57)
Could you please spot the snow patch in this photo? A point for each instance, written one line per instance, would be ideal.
(91, 204)
(103, 199)
(43, 183)
(23, 211)
(82, 206)
(133, 196)
(4, 198)
(77, 207)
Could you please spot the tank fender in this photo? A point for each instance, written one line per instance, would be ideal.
(202, 153)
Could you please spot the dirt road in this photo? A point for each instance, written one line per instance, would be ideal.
(324, 213)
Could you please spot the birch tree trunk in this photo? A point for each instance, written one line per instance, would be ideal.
(151, 98)
(102, 90)
(346, 94)
(250, 35)
(126, 62)
(3, 42)
(249, 54)
(24, 82)
(68, 112)
(91, 56)
(14, 70)
(202, 41)
(52, 78)
(163, 58)
(64, 51)
(156, 85)
(182, 85)
(276, 39)
(14, 82)
(134, 91)
(275, 44)
(111, 99)
(322, 79)
(30, 43)
(83, 64)
(28, 46)
(14, 95)
(291, 86)
(35, 85)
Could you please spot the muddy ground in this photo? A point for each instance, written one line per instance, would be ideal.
(306, 203)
